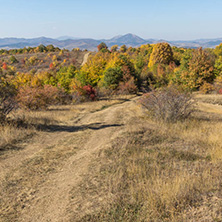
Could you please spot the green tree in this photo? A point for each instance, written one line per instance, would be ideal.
(112, 77)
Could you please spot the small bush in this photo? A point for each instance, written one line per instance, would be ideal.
(13, 60)
(207, 88)
(34, 98)
(89, 92)
(168, 104)
(85, 93)
(128, 87)
(33, 60)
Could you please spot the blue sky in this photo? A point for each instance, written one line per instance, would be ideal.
(162, 19)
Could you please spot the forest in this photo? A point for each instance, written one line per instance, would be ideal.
(34, 78)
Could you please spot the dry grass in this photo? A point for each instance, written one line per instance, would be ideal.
(151, 172)
(26, 123)
(159, 172)
(10, 134)
(209, 98)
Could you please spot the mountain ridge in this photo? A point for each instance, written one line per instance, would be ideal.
(129, 39)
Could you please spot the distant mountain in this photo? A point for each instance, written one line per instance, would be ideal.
(68, 42)
(128, 39)
(61, 38)
(22, 42)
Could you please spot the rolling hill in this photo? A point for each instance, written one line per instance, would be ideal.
(91, 44)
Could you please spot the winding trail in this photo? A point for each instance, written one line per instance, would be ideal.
(85, 58)
(38, 182)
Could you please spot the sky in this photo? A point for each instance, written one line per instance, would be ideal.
(103, 19)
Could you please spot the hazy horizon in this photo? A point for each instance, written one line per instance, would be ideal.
(74, 37)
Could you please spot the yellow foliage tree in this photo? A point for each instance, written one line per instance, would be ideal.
(161, 54)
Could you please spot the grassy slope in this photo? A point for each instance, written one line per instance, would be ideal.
(44, 60)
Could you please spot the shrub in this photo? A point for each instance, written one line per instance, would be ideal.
(7, 101)
(207, 88)
(128, 87)
(89, 92)
(85, 93)
(4, 66)
(33, 60)
(34, 98)
(168, 104)
(13, 60)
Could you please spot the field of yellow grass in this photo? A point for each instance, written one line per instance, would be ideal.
(139, 169)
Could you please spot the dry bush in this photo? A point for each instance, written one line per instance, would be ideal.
(168, 104)
(128, 87)
(34, 98)
(104, 92)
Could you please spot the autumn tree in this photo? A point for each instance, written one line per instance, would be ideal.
(196, 69)
(201, 67)
(41, 48)
(50, 48)
(218, 50)
(92, 72)
(114, 48)
(64, 77)
(101, 46)
(121, 74)
(162, 54)
(123, 48)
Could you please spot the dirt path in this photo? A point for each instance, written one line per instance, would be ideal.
(85, 58)
(36, 182)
